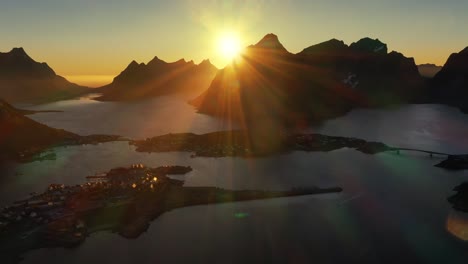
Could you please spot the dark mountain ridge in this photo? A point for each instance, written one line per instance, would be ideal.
(313, 82)
(269, 89)
(22, 79)
(450, 85)
(17, 64)
(140, 81)
(429, 70)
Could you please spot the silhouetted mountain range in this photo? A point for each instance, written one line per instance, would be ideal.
(429, 70)
(450, 84)
(331, 47)
(24, 80)
(139, 81)
(270, 88)
(266, 82)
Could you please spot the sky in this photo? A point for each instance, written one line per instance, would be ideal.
(86, 39)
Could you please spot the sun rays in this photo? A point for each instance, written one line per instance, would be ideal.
(229, 46)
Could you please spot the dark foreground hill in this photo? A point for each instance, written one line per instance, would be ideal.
(450, 85)
(22, 79)
(21, 137)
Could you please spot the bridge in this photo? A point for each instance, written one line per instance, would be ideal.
(431, 153)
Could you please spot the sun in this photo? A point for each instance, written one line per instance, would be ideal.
(229, 46)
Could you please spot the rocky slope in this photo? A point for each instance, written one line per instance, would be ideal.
(22, 79)
(450, 85)
(269, 88)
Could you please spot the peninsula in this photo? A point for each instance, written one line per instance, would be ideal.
(123, 200)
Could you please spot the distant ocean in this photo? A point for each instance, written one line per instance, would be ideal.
(90, 80)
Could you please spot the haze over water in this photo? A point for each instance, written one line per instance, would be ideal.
(393, 73)
(391, 203)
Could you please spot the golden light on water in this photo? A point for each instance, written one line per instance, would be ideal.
(457, 225)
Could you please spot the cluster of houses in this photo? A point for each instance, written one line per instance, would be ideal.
(60, 201)
(38, 209)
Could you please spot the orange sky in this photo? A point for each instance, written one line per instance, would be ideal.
(91, 41)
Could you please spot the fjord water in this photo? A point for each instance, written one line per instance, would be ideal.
(393, 207)
(136, 120)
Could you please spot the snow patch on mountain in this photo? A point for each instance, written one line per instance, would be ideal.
(378, 49)
(351, 80)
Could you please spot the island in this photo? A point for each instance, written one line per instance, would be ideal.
(454, 162)
(239, 143)
(123, 200)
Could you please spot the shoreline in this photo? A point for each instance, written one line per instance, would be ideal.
(237, 143)
(123, 200)
(40, 153)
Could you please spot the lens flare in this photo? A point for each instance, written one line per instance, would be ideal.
(229, 46)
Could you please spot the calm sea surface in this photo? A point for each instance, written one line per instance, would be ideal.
(393, 208)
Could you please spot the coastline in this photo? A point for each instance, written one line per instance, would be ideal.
(123, 200)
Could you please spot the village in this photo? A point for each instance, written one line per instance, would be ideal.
(123, 200)
(55, 214)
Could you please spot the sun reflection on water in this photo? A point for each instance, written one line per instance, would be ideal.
(457, 225)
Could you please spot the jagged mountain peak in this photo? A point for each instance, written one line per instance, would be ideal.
(17, 54)
(370, 45)
(133, 64)
(19, 51)
(156, 61)
(330, 46)
(270, 41)
(22, 79)
(271, 37)
(180, 61)
(158, 77)
(207, 66)
(206, 62)
(17, 63)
